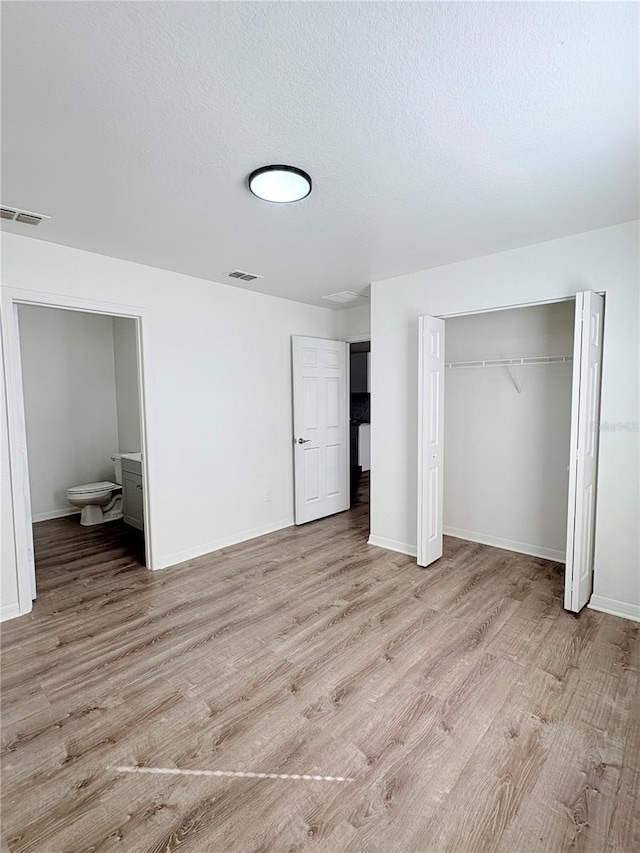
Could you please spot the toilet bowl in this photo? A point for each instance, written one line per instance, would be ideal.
(97, 501)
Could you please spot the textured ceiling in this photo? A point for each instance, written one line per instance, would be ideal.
(434, 132)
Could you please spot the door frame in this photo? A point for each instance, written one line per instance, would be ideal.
(495, 309)
(489, 310)
(12, 298)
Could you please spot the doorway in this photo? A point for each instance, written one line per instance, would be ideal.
(65, 430)
(331, 384)
(508, 452)
(360, 422)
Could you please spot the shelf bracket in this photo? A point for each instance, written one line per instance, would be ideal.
(515, 378)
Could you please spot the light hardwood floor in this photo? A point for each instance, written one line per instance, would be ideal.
(471, 711)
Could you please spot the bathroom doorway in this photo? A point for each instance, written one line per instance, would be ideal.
(77, 434)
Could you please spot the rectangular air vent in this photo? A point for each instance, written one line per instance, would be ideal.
(343, 296)
(244, 276)
(26, 217)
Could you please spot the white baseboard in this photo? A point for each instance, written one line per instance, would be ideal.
(615, 607)
(55, 513)
(9, 611)
(394, 545)
(209, 547)
(506, 544)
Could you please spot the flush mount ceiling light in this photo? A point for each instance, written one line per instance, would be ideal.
(280, 184)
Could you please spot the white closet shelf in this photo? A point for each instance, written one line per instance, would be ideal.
(510, 362)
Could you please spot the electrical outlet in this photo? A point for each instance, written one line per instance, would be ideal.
(267, 496)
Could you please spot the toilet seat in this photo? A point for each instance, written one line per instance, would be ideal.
(88, 488)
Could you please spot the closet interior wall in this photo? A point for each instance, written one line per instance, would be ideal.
(506, 433)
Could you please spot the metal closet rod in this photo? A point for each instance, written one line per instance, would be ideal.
(510, 362)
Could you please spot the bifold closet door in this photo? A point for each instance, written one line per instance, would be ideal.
(430, 439)
(583, 461)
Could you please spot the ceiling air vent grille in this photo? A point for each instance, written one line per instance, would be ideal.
(244, 276)
(343, 296)
(26, 217)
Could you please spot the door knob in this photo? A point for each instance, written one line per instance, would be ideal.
(304, 440)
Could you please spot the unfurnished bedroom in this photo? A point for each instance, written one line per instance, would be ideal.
(320, 427)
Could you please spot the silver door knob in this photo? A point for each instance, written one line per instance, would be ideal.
(304, 440)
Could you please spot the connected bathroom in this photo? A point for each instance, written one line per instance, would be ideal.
(81, 387)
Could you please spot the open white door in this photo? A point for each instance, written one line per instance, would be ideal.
(430, 439)
(583, 463)
(321, 428)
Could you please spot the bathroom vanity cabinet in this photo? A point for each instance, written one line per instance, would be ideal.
(132, 495)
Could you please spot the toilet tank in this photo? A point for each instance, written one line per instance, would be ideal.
(117, 464)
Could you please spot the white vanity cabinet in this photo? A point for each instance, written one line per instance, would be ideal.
(132, 495)
(364, 446)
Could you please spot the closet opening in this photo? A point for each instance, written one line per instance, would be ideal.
(508, 439)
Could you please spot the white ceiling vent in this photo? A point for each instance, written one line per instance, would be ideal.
(244, 276)
(26, 217)
(344, 296)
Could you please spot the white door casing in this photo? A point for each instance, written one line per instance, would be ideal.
(18, 459)
(320, 427)
(430, 439)
(583, 460)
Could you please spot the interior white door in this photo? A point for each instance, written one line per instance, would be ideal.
(583, 460)
(321, 427)
(430, 439)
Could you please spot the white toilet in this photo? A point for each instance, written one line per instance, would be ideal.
(97, 500)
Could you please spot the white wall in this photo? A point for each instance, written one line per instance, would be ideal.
(355, 322)
(219, 390)
(603, 260)
(70, 403)
(125, 352)
(506, 453)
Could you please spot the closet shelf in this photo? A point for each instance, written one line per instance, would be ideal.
(510, 362)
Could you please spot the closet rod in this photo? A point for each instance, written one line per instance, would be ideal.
(510, 362)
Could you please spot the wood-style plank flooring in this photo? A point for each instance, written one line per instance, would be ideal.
(472, 713)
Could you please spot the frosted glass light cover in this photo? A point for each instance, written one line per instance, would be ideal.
(280, 184)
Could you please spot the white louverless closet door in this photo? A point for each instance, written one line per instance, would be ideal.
(583, 463)
(430, 439)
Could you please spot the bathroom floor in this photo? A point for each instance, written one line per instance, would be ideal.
(78, 557)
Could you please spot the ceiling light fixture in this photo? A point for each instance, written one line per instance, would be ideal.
(280, 184)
